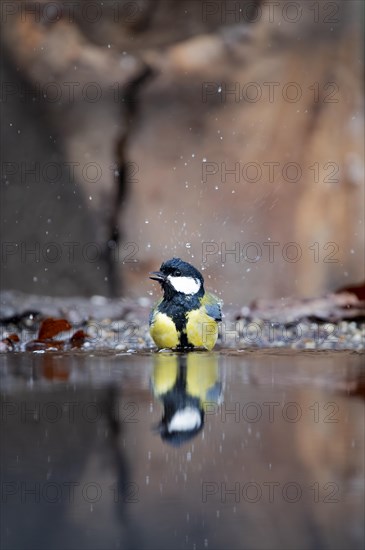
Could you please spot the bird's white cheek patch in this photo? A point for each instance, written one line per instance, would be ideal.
(186, 285)
(185, 420)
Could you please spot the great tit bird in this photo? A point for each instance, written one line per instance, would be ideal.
(186, 316)
(186, 385)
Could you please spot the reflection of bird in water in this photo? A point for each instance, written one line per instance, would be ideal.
(184, 384)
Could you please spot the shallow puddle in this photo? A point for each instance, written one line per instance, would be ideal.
(256, 450)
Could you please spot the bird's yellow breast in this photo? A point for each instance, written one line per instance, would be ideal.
(201, 330)
(165, 372)
(201, 373)
(163, 331)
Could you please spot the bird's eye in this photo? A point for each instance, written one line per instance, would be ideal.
(177, 273)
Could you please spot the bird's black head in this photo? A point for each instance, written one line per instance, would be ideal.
(179, 277)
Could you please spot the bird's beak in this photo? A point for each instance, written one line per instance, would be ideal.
(157, 276)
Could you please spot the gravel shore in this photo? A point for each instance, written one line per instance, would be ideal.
(335, 322)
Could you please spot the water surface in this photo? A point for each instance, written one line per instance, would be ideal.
(260, 449)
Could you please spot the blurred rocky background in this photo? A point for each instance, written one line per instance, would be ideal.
(227, 133)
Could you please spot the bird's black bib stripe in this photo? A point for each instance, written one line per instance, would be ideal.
(177, 308)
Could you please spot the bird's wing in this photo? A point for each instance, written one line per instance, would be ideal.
(213, 306)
